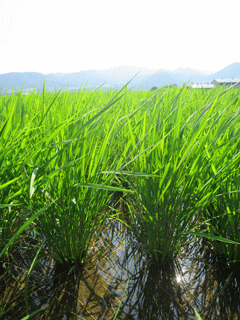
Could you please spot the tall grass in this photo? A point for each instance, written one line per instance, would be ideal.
(176, 149)
(57, 157)
(189, 154)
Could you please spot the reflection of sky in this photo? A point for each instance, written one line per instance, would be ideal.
(188, 277)
(181, 285)
(130, 263)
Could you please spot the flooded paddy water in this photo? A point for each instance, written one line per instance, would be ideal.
(116, 269)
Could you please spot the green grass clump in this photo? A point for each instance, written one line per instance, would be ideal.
(189, 153)
(176, 149)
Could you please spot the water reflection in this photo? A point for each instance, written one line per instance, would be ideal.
(198, 278)
(217, 289)
(153, 292)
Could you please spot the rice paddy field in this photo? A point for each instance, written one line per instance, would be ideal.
(120, 204)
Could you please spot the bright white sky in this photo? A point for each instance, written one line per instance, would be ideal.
(73, 35)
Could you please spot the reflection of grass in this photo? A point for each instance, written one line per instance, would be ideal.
(115, 317)
(60, 291)
(9, 244)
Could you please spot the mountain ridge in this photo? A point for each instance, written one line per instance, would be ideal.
(113, 77)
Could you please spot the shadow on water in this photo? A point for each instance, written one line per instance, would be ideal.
(217, 284)
(198, 278)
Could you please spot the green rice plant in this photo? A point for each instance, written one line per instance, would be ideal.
(13, 182)
(8, 219)
(10, 174)
(54, 145)
(181, 180)
(57, 157)
(223, 214)
(197, 314)
(221, 176)
(70, 171)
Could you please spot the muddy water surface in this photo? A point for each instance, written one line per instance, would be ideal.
(94, 290)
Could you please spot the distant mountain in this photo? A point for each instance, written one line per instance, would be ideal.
(118, 76)
(90, 77)
(18, 80)
(125, 72)
(30, 80)
(187, 71)
(178, 77)
(231, 71)
(113, 77)
(159, 79)
(188, 75)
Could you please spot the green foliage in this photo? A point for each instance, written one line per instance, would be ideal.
(176, 151)
(189, 155)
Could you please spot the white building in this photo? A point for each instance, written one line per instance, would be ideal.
(202, 86)
(226, 82)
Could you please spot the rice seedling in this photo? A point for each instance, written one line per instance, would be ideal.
(180, 180)
(67, 168)
(10, 175)
(221, 176)
(224, 217)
